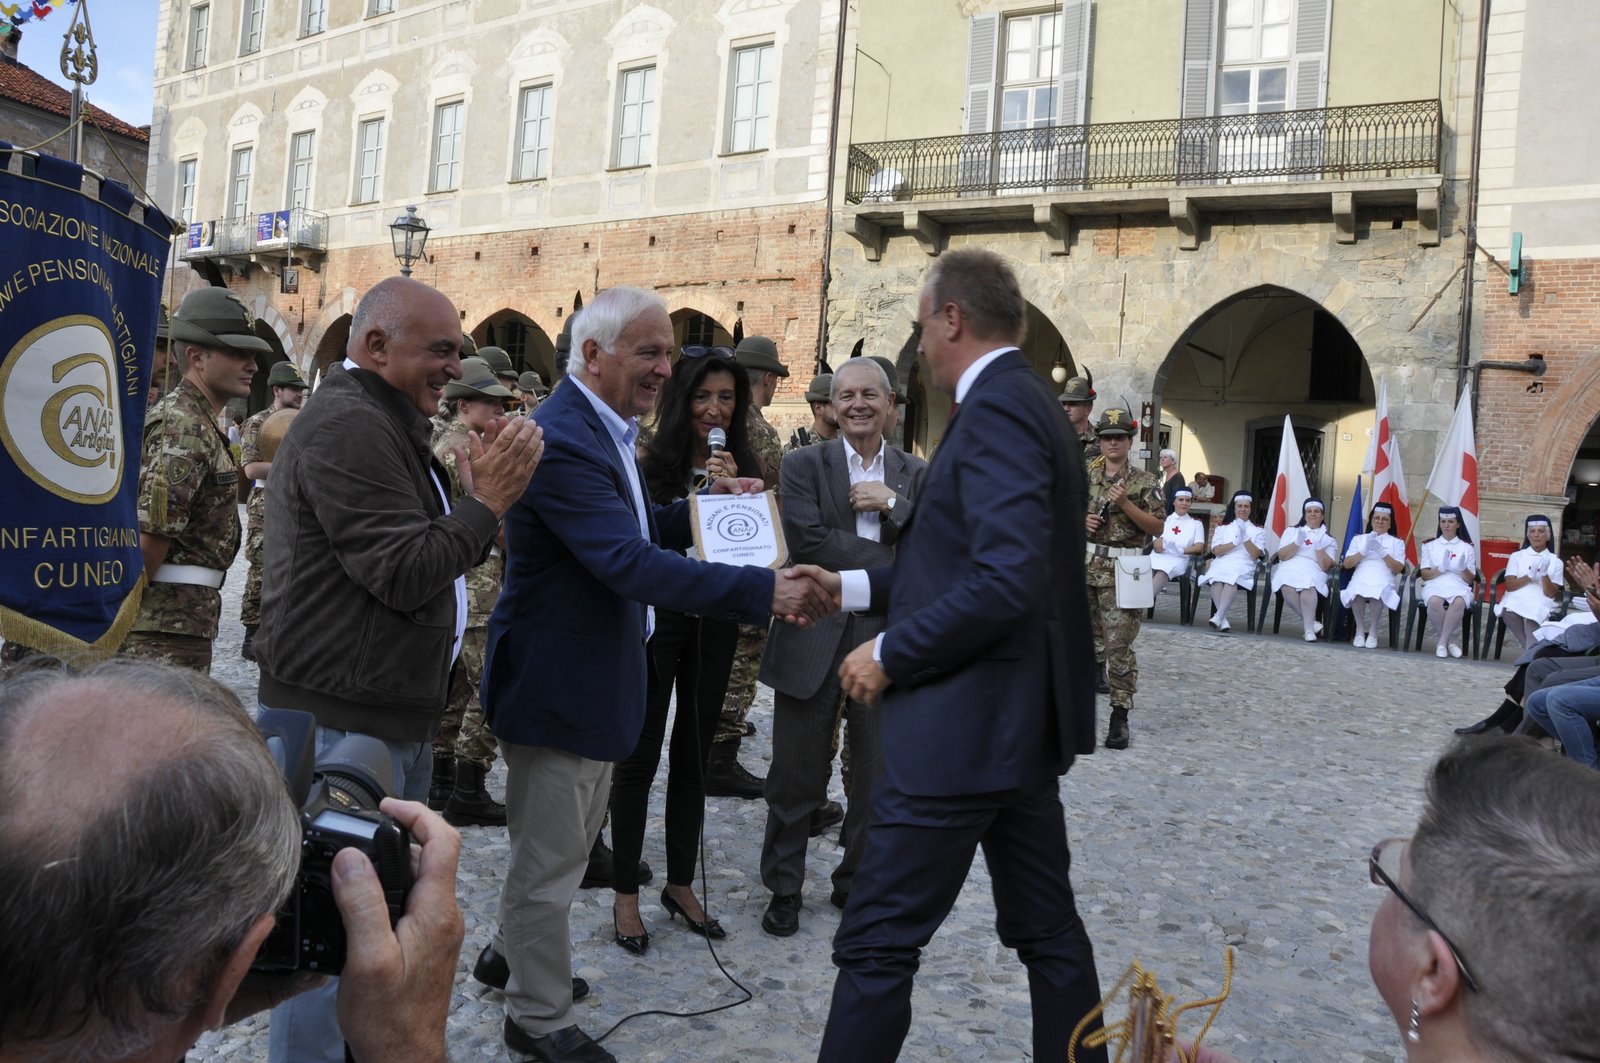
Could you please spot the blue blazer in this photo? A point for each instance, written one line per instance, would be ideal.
(989, 644)
(565, 664)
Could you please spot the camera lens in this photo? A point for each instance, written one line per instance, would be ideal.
(358, 771)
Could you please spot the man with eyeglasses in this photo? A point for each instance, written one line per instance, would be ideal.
(725, 776)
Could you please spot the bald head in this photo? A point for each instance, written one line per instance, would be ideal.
(149, 828)
(410, 335)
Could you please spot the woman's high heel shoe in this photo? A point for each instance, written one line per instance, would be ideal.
(638, 944)
(708, 929)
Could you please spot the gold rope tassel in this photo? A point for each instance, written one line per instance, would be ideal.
(1149, 1033)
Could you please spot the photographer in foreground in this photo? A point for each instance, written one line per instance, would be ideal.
(146, 839)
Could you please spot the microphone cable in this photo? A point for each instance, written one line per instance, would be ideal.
(705, 888)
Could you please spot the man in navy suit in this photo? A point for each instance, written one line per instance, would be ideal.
(565, 673)
(987, 665)
(845, 501)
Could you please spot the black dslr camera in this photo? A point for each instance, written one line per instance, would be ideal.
(338, 794)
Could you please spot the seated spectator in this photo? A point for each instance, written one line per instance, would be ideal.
(1569, 711)
(1533, 582)
(1182, 540)
(1236, 546)
(1378, 558)
(1304, 559)
(1484, 947)
(146, 840)
(1448, 565)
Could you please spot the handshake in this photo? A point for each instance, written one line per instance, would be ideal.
(804, 594)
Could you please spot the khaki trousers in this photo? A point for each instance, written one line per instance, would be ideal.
(555, 803)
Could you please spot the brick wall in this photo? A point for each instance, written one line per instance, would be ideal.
(759, 267)
(1529, 429)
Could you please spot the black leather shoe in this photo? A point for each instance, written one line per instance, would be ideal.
(749, 729)
(1505, 718)
(598, 873)
(443, 783)
(469, 803)
(826, 815)
(248, 649)
(839, 898)
(638, 944)
(1117, 734)
(782, 917)
(1101, 685)
(493, 971)
(708, 929)
(567, 1045)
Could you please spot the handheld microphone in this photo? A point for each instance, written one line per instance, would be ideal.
(716, 439)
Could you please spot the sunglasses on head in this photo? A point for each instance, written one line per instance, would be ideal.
(700, 350)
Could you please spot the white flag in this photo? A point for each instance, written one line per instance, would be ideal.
(1289, 490)
(1454, 479)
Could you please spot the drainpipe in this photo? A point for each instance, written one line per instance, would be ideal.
(1464, 337)
(827, 225)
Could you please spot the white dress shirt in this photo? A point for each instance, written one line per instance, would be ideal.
(868, 525)
(624, 434)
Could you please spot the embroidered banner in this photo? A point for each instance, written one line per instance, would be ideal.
(80, 281)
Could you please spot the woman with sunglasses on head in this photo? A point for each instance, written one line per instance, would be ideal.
(706, 392)
(1304, 559)
(1236, 546)
(1534, 576)
(1378, 559)
(1448, 565)
(1486, 946)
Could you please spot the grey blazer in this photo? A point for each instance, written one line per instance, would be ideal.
(820, 528)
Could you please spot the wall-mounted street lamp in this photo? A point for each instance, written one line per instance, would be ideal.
(410, 235)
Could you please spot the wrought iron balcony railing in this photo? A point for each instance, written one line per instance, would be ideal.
(305, 230)
(1329, 143)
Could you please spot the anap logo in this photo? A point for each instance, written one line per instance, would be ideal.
(60, 417)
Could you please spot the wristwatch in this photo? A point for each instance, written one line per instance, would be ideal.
(890, 505)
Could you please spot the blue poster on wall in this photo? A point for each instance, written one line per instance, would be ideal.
(80, 282)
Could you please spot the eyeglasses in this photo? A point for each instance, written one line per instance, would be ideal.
(1384, 866)
(700, 350)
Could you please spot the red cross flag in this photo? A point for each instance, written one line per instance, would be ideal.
(1388, 479)
(1454, 479)
(1289, 490)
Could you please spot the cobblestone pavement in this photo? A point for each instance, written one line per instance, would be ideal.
(1262, 771)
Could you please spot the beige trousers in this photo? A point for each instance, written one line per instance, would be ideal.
(555, 803)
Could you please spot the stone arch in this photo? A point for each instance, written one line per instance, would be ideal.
(1232, 376)
(266, 313)
(537, 350)
(1562, 432)
(721, 309)
(343, 304)
(1210, 288)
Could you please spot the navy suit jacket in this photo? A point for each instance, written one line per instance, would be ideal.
(989, 644)
(565, 664)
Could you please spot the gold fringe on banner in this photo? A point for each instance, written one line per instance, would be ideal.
(15, 627)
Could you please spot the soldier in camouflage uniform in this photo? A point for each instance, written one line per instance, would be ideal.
(725, 776)
(463, 747)
(189, 482)
(824, 425)
(1077, 399)
(288, 392)
(1126, 508)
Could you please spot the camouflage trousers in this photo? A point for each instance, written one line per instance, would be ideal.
(1114, 632)
(185, 651)
(250, 601)
(463, 734)
(741, 691)
(841, 749)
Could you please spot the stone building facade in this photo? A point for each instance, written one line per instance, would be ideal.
(1227, 210)
(553, 149)
(1539, 214)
